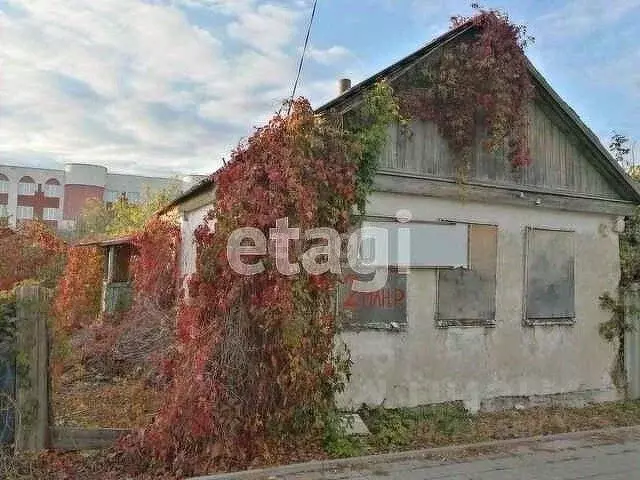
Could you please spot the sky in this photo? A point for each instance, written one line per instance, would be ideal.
(171, 86)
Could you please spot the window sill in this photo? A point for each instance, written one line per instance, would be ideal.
(373, 327)
(548, 322)
(466, 323)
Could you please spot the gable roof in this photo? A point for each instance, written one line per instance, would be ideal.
(194, 191)
(106, 242)
(351, 97)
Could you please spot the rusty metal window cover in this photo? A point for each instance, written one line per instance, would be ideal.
(549, 279)
(466, 297)
(384, 310)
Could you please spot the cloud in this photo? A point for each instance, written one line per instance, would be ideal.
(582, 17)
(621, 70)
(138, 85)
(267, 28)
(330, 55)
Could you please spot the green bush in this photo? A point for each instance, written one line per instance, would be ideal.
(7, 315)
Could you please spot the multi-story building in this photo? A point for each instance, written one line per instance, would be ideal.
(58, 196)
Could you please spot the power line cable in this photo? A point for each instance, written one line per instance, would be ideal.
(304, 51)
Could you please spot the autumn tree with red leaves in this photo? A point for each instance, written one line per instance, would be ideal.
(79, 291)
(31, 251)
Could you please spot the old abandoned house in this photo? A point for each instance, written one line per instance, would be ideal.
(520, 324)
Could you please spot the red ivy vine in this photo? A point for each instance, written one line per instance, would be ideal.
(481, 79)
(154, 267)
(78, 295)
(31, 251)
(255, 363)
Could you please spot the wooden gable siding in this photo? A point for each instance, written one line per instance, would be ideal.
(559, 164)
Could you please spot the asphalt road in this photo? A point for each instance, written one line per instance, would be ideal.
(612, 454)
(607, 462)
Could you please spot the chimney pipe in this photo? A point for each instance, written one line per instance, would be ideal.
(344, 84)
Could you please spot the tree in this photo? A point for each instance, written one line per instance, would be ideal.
(31, 251)
(122, 217)
(618, 147)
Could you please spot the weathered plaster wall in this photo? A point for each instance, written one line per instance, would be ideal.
(190, 221)
(429, 365)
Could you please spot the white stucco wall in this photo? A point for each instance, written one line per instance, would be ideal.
(191, 220)
(427, 365)
(85, 174)
(139, 184)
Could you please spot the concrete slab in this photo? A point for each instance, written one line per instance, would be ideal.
(354, 425)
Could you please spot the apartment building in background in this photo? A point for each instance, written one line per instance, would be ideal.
(58, 196)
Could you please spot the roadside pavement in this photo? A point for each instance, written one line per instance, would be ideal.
(612, 454)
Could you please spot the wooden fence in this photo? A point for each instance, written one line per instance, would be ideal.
(32, 379)
(33, 429)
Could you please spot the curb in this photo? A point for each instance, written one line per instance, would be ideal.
(442, 452)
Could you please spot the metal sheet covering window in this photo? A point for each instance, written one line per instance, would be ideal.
(549, 277)
(384, 309)
(467, 297)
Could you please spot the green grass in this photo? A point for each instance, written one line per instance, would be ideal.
(450, 424)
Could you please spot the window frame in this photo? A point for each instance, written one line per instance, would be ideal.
(133, 197)
(111, 196)
(57, 190)
(33, 186)
(561, 320)
(351, 322)
(4, 186)
(382, 219)
(469, 322)
(19, 215)
(4, 210)
(56, 216)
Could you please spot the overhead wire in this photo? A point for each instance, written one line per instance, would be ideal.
(302, 56)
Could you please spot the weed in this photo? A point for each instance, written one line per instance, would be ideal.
(336, 442)
(398, 428)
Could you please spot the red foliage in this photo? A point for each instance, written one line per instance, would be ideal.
(481, 79)
(141, 335)
(155, 264)
(253, 353)
(77, 301)
(30, 251)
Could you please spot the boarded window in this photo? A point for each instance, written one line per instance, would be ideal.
(424, 245)
(383, 309)
(549, 288)
(467, 297)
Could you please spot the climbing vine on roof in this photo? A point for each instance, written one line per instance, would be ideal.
(479, 84)
(255, 366)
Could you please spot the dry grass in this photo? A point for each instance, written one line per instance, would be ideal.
(82, 400)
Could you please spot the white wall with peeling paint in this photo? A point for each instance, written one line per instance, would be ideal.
(425, 364)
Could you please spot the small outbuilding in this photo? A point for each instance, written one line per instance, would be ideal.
(117, 289)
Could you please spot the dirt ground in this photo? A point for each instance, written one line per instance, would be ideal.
(83, 400)
(392, 430)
